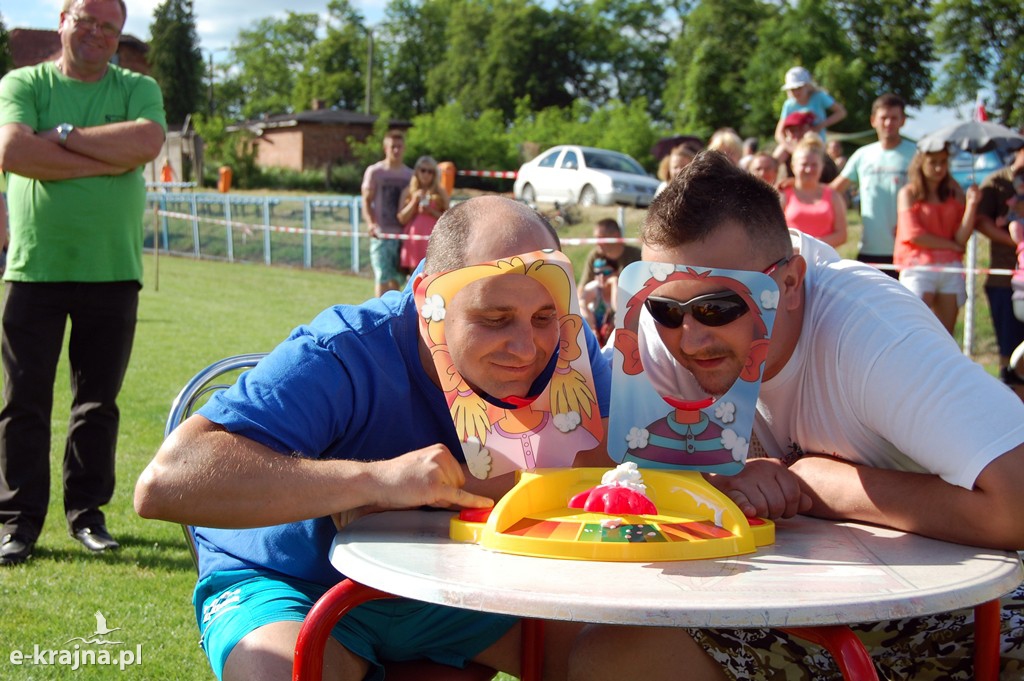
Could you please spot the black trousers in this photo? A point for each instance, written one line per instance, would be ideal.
(102, 319)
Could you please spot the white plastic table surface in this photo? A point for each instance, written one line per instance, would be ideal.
(816, 573)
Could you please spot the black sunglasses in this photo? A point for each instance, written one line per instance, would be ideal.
(606, 271)
(710, 309)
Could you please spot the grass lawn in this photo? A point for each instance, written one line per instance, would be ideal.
(201, 311)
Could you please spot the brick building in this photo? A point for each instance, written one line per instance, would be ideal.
(31, 46)
(309, 140)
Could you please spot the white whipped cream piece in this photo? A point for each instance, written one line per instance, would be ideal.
(625, 475)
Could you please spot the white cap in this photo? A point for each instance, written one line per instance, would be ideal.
(796, 77)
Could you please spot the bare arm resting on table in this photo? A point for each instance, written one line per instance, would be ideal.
(987, 515)
(111, 149)
(204, 475)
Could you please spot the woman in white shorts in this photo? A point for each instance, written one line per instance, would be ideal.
(935, 221)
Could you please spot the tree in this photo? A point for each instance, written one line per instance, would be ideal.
(892, 41)
(175, 58)
(498, 51)
(335, 67)
(705, 85)
(412, 45)
(268, 59)
(625, 43)
(6, 61)
(982, 46)
(804, 34)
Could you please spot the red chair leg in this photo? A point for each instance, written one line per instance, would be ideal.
(309, 647)
(847, 650)
(986, 641)
(532, 650)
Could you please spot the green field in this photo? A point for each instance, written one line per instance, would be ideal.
(200, 311)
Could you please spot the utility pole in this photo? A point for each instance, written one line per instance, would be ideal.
(369, 69)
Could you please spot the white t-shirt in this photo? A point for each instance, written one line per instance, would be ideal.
(875, 380)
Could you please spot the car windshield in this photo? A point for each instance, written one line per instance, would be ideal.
(598, 160)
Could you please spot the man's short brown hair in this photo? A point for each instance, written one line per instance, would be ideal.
(888, 100)
(709, 193)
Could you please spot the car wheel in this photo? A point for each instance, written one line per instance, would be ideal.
(528, 195)
(588, 197)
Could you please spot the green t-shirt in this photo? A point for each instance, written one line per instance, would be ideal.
(88, 229)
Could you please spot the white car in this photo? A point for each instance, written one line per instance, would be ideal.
(584, 175)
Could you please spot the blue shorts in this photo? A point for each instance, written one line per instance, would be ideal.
(230, 605)
(384, 258)
(1009, 330)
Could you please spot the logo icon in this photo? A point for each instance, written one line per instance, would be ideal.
(97, 636)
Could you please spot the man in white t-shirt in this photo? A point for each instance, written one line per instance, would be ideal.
(867, 411)
(879, 170)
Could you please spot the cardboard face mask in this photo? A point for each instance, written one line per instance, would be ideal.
(662, 414)
(550, 416)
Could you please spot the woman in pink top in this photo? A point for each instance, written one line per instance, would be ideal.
(932, 229)
(421, 204)
(810, 206)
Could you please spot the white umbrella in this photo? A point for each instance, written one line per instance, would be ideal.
(973, 136)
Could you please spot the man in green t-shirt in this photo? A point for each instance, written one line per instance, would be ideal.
(74, 136)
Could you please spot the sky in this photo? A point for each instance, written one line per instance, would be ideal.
(218, 23)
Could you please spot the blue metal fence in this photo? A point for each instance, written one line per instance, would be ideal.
(321, 231)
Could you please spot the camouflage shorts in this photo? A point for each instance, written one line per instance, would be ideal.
(933, 647)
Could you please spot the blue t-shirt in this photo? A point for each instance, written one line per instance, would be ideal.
(818, 104)
(879, 174)
(342, 387)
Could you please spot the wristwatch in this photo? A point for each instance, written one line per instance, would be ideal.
(63, 130)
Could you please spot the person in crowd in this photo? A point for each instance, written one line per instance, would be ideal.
(597, 298)
(810, 206)
(934, 223)
(861, 416)
(1016, 364)
(997, 192)
(834, 149)
(728, 142)
(750, 147)
(795, 128)
(75, 134)
(879, 170)
(383, 183)
(345, 417)
(422, 203)
(673, 163)
(610, 246)
(764, 166)
(804, 95)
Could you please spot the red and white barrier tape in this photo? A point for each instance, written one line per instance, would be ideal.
(503, 174)
(249, 228)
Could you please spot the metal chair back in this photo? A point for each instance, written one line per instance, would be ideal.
(218, 376)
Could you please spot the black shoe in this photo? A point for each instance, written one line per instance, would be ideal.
(15, 549)
(96, 538)
(1010, 377)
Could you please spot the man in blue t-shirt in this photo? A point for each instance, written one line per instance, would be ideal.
(344, 417)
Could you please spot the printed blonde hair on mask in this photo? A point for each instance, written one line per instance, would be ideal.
(569, 392)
